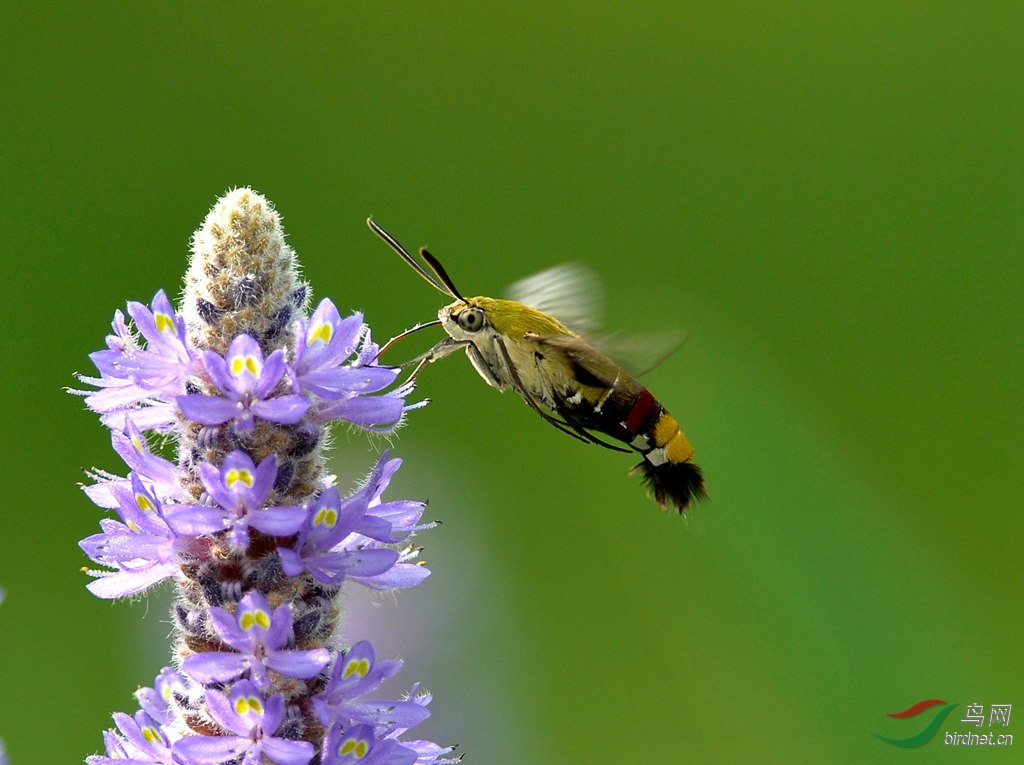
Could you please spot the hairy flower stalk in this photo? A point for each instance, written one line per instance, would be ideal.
(237, 388)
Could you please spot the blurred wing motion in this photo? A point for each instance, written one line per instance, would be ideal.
(569, 291)
(573, 293)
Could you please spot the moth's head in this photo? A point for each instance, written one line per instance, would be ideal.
(471, 318)
(464, 318)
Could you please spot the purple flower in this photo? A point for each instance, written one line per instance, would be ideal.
(259, 635)
(131, 374)
(402, 515)
(253, 720)
(158, 701)
(142, 740)
(356, 673)
(246, 383)
(133, 449)
(342, 390)
(357, 745)
(319, 549)
(345, 538)
(324, 343)
(143, 548)
(239, 490)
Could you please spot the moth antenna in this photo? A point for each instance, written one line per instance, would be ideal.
(397, 247)
(438, 269)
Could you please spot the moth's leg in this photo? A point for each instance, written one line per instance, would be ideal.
(518, 387)
(444, 348)
(593, 438)
(482, 367)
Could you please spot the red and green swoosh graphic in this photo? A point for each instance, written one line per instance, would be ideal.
(926, 733)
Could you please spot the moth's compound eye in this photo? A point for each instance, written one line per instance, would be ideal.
(471, 319)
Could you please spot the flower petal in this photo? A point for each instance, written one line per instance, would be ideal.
(214, 666)
(207, 410)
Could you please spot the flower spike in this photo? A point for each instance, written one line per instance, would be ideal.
(219, 411)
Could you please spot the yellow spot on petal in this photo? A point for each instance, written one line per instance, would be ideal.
(248, 364)
(322, 332)
(357, 747)
(326, 516)
(144, 503)
(239, 475)
(356, 667)
(134, 527)
(151, 734)
(246, 704)
(252, 619)
(165, 323)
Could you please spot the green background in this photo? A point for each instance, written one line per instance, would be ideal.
(826, 197)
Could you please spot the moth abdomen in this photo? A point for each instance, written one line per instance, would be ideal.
(678, 483)
(630, 413)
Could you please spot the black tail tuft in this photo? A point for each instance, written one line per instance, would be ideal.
(678, 483)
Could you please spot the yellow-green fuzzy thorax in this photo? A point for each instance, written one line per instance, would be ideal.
(514, 320)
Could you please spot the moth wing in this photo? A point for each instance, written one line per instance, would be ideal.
(640, 352)
(572, 294)
(602, 357)
(569, 292)
(589, 366)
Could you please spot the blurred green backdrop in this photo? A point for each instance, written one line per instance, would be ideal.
(826, 197)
